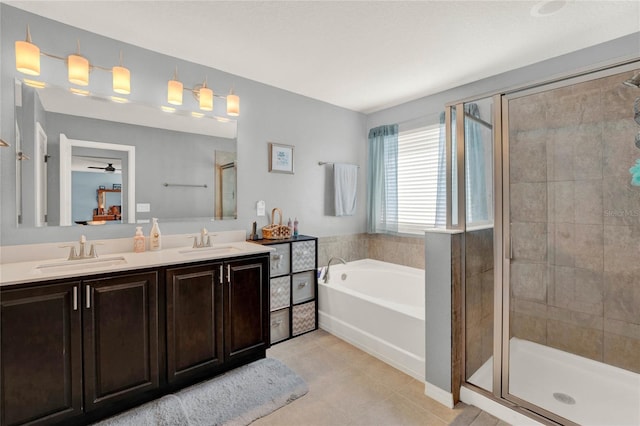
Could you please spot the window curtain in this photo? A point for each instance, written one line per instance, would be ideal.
(475, 177)
(382, 180)
(475, 173)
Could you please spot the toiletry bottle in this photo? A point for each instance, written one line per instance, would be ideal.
(289, 225)
(295, 228)
(154, 236)
(138, 241)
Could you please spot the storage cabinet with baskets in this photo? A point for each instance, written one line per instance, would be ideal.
(293, 286)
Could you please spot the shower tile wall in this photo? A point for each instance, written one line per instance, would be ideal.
(407, 251)
(575, 277)
(478, 298)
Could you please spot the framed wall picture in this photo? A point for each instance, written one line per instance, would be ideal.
(280, 158)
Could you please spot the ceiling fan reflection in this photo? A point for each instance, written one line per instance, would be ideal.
(108, 169)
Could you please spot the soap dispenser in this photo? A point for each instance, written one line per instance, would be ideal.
(138, 241)
(154, 236)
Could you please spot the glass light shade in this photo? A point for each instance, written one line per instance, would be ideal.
(27, 58)
(233, 105)
(206, 99)
(78, 70)
(174, 92)
(121, 80)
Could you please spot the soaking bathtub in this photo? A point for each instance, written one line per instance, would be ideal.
(379, 308)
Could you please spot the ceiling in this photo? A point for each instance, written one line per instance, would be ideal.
(360, 55)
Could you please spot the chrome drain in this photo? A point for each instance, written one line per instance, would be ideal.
(343, 276)
(564, 398)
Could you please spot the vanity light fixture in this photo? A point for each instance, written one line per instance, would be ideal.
(205, 96)
(27, 56)
(3, 143)
(174, 90)
(121, 78)
(233, 104)
(78, 68)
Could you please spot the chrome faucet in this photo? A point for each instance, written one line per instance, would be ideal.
(326, 275)
(81, 253)
(205, 239)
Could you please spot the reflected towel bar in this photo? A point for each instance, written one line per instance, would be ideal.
(322, 163)
(185, 184)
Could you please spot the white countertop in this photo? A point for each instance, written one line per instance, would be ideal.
(24, 267)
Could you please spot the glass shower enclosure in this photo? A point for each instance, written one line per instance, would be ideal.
(552, 279)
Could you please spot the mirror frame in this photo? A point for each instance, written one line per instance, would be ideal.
(66, 147)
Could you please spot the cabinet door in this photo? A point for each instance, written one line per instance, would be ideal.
(120, 322)
(194, 320)
(246, 294)
(41, 356)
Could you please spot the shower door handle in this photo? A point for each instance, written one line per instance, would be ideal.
(510, 251)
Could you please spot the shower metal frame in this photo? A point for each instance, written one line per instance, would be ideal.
(502, 232)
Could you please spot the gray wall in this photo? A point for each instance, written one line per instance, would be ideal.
(319, 132)
(623, 48)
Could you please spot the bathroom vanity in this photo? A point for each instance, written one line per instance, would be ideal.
(77, 347)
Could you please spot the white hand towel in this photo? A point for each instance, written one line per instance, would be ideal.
(345, 181)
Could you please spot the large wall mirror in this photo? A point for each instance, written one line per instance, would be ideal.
(90, 160)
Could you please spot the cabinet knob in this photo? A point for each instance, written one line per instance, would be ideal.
(301, 285)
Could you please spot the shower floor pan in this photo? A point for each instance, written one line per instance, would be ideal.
(582, 390)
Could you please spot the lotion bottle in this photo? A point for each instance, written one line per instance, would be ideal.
(154, 236)
(138, 241)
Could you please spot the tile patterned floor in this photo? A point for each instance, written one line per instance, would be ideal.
(348, 387)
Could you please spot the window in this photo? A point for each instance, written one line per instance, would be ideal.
(417, 178)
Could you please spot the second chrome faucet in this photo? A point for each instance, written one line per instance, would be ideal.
(81, 253)
(205, 239)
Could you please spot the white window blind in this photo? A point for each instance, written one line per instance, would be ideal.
(417, 178)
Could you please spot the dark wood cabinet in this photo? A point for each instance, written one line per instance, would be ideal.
(74, 352)
(247, 307)
(217, 313)
(41, 356)
(194, 320)
(120, 327)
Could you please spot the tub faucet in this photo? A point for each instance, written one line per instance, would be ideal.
(326, 276)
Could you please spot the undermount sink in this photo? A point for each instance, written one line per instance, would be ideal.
(82, 264)
(210, 250)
